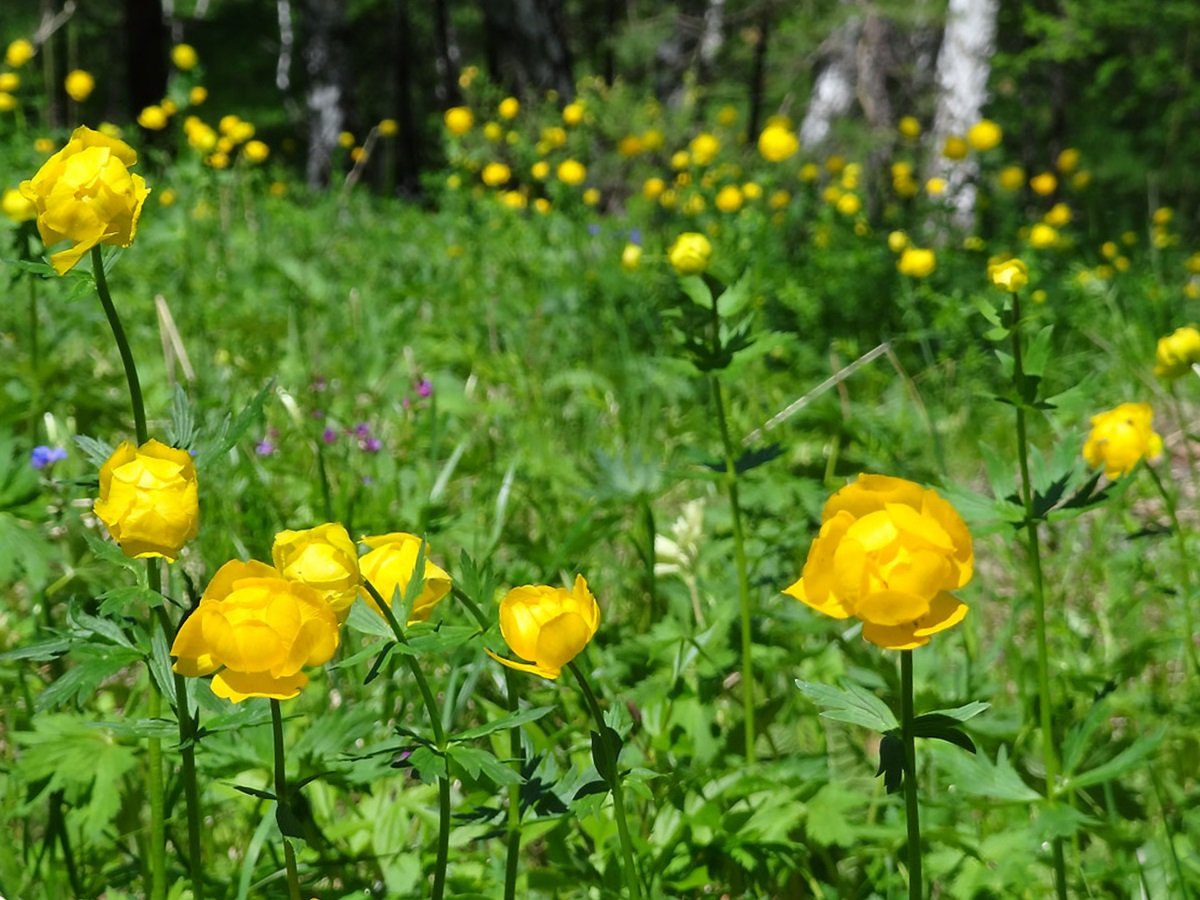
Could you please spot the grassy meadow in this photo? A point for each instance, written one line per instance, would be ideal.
(528, 369)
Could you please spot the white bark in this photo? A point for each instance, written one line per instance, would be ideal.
(834, 92)
(963, 67)
(713, 35)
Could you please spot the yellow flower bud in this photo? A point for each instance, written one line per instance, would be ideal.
(729, 199)
(889, 552)
(777, 144)
(459, 120)
(704, 149)
(388, 127)
(547, 626)
(572, 114)
(631, 257)
(1120, 437)
(86, 194)
(255, 630)
(1009, 275)
(18, 53)
(184, 57)
(955, 148)
(1044, 184)
(1011, 178)
(390, 565)
(149, 499)
(909, 127)
(509, 107)
(690, 253)
(916, 262)
(324, 558)
(153, 118)
(571, 172)
(984, 135)
(897, 241)
(1043, 236)
(495, 174)
(1177, 353)
(79, 85)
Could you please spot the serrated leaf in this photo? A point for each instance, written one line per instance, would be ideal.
(232, 430)
(97, 452)
(1037, 353)
(891, 762)
(851, 704)
(510, 721)
(476, 760)
(734, 298)
(363, 618)
(96, 663)
(977, 776)
(181, 431)
(697, 290)
(429, 765)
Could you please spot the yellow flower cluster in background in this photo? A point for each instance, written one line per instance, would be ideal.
(1120, 438)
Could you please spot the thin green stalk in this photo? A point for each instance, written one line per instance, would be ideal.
(1184, 892)
(35, 357)
(739, 545)
(187, 750)
(118, 331)
(1049, 758)
(911, 808)
(632, 884)
(282, 802)
(439, 738)
(513, 857)
(1185, 570)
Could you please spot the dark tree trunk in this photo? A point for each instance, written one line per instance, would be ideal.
(530, 45)
(449, 59)
(145, 53)
(408, 160)
(758, 76)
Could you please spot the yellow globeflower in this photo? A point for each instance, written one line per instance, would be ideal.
(18, 53)
(149, 499)
(459, 120)
(184, 57)
(810, 172)
(1120, 438)
(256, 152)
(9, 82)
(572, 114)
(888, 554)
(509, 107)
(86, 194)
(571, 172)
(540, 170)
(390, 565)
(153, 118)
(777, 143)
(779, 199)
(631, 257)
(324, 558)
(849, 205)
(935, 186)
(909, 127)
(1043, 184)
(729, 199)
(1043, 236)
(547, 626)
(955, 148)
(255, 630)
(704, 149)
(690, 253)
(591, 196)
(1009, 275)
(1068, 161)
(388, 127)
(1058, 215)
(653, 188)
(916, 262)
(7, 102)
(751, 190)
(727, 115)
(630, 145)
(494, 132)
(79, 85)
(197, 95)
(17, 207)
(1011, 178)
(984, 135)
(1177, 352)
(495, 174)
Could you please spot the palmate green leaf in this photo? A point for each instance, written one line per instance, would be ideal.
(851, 704)
(96, 451)
(734, 298)
(181, 431)
(233, 429)
(697, 290)
(95, 663)
(363, 618)
(977, 776)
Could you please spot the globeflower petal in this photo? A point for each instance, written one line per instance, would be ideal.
(238, 686)
(893, 637)
(945, 611)
(891, 607)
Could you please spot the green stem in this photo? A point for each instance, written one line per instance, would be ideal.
(1049, 759)
(118, 331)
(282, 802)
(35, 358)
(439, 738)
(187, 750)
(158, 833)
(513, 857)
(632, 885)
(739, 546)
(911, 807)
(1185, 570)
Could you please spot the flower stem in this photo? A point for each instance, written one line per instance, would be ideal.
(911, 808)
(282, 802)
(1049, 759)
(610, 753)
(439, 739)
(154, 781)
(1185, 570)
(187, 750)
(118, 331)
(513, 857)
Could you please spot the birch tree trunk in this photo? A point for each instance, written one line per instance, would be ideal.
(324, 98)
(834, 93)
(963, 67)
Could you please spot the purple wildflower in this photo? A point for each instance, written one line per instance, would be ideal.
(424, 388)
(362, 431)
(43, 457)
(372, 445)
(265, 447)
(329, 435)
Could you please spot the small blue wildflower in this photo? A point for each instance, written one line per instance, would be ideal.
(43, 457)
